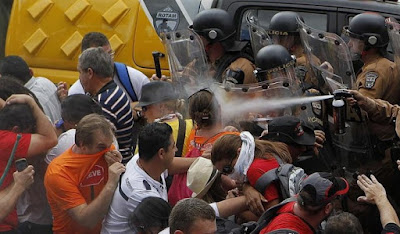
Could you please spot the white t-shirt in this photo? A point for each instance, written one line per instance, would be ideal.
(46, 93)
(138, 79)
(136, 184)
(165, 231)
(65, 141)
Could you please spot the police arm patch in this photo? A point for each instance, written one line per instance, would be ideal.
(370, 79)
(301, 72)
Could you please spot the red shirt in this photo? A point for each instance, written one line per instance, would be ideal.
(286, 219)
(7, 141)
(257, 169)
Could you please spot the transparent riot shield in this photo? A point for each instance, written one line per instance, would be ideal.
(284, 74)
(256, 103)
(258, 35)
(353, 145)
(333, 64)
(187, 61)
(394, 35)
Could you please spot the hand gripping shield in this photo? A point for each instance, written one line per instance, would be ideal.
(187, 61)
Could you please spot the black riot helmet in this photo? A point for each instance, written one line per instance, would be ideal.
(284, 23)
(272, 60)
(215, 25)
(370, 28)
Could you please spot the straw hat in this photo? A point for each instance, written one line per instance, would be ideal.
(200, 176)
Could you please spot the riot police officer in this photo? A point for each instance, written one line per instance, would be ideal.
(284, 30)
(228, 58)
(368, 40)
(276, 65)
(274, 62)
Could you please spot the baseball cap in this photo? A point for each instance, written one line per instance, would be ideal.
(289, 130)
(201, 176)
(320, 188)
(156, 92)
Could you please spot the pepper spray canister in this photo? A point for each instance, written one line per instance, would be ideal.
(339, 115)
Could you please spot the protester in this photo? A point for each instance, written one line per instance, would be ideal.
(95, 72)
(160, 103)
(43, 88)
(131, 79)
(205, 181)
(73, 109)
(243, 158)
(344, 222)
(37, 137)
(81, 181)
(10, 195)
(312, 205)
(145, 175)
(291, 131)
(384, 169)
(375, 194)
(33, 210)
(205, 111)
(150, 216)
(10, 85)
(192, 215)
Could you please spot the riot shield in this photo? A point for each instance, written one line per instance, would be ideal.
(258, 35)
(394, 35)
(330, 48)
(353, 146)
(258, 103)
(187, 61)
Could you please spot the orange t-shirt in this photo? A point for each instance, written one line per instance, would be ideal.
(204, 143)
(71, 180)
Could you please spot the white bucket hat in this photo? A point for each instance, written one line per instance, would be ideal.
(200, 176)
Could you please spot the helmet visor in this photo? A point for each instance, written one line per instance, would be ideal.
(354, 42)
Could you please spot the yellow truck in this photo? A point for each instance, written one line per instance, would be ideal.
(48, 33)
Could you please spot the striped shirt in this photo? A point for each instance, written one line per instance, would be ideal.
(116, 108)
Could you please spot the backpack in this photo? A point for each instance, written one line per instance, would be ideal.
(123, 76)
(263, 221)
(288, 176)
(225, 226)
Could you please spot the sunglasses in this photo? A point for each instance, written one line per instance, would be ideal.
(228, 169)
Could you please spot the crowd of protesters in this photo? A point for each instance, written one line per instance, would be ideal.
(97, 159)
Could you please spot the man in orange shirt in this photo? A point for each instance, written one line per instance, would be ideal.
(80, 182)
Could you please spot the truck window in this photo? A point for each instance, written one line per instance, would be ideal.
(315, 20)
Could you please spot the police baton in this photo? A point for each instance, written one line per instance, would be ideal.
(156, 56)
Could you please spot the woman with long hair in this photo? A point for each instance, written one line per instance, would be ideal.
(205, 112)
(242, 156)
